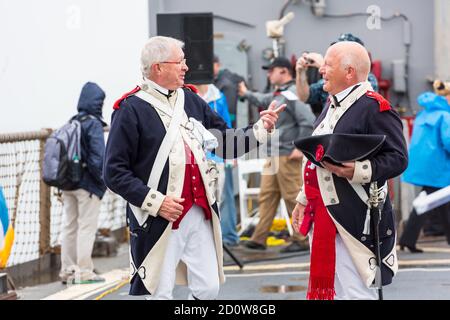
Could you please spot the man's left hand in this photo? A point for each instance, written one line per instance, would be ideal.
(270, 116)
(345, 171)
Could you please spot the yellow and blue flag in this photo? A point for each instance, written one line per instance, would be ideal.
(6, 232)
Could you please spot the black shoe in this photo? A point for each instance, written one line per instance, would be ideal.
(295, 246)
(254, 245)
(412, 249)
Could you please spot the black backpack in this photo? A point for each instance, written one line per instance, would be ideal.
(63, 166)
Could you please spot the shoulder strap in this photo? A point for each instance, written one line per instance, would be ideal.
(83, 117)
(166, 145)
(169, 138)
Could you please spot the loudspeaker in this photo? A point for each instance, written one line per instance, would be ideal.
(196, 31)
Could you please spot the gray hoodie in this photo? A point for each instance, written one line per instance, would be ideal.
(295, 122)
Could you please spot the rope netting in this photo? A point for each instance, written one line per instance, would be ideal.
(20, 179)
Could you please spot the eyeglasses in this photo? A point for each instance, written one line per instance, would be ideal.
(175, 62)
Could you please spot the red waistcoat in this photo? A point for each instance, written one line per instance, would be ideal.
(193, 188)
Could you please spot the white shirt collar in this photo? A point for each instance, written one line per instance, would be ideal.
(341, 95)
(156, 86)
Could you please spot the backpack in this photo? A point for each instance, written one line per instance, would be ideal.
(62, 165)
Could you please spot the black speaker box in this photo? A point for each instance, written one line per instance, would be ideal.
(196, 31)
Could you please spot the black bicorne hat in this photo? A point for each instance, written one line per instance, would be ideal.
(337, 148)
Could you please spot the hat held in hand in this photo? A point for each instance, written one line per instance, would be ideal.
(338, 148)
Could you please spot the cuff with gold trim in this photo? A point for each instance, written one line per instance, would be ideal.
(363, 172)
(261, 134)
(152, 202)
(301, 198)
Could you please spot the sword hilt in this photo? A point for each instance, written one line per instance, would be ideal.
(376, 195)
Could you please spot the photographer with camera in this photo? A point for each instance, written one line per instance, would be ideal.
(313, 94)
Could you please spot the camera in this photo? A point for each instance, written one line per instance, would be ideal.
(309, 61)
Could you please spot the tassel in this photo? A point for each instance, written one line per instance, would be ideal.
(320, 289)
(367, 223)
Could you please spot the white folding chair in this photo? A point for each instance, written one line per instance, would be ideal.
(245, 167)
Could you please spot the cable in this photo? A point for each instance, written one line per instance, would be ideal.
(242, 23)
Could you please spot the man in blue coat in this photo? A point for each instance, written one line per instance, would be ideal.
(343, 246)
(155, 159)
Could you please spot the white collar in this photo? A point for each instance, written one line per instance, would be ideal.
(341, 95)
(156, 86)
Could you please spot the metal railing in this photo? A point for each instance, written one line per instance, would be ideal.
(34, 208)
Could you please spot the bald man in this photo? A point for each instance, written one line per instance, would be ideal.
(342, 253)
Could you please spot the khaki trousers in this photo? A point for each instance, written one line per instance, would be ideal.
(281, 179)
(81, 211)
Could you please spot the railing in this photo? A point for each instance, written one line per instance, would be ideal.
(34, 208)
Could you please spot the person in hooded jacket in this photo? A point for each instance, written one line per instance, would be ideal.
(429, 166)
(82, 204)
(217, 100)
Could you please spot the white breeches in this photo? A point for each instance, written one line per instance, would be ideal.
(192, 243)
(347, 281)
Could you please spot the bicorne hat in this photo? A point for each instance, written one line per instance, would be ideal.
(338, 148)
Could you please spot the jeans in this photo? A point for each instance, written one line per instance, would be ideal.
(227, 209)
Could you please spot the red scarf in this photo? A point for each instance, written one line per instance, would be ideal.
(323, 251)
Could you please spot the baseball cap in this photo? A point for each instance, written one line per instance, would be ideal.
(348, 37)
(281, 62)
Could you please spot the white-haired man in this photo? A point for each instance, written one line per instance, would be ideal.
(155, 159)
(342, 254)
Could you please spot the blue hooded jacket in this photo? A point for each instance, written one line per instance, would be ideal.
(429, 150)
(92, 138)
(217, 102)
